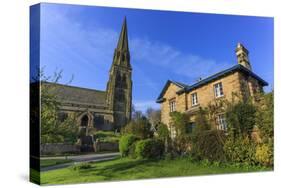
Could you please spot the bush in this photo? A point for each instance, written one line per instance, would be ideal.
(125, 144)
(241, 117)
(149, 149)
(264, 154)
(240, 150)
(180, 122)
(162, 131)
(139, 127)
(209, 145)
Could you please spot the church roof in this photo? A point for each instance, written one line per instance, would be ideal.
(218, 75)
(73, 94)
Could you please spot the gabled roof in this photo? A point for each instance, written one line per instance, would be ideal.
(216, 76)
(73, 94)
(180, 85)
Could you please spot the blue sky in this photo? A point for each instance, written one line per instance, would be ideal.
(180, 46)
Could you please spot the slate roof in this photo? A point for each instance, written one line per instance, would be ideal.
(216, 76)
(67, 93)
(181, 85)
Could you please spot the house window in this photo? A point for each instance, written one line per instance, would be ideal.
(221, 122)
(190, 127)
(194, 99)
(218, 90)
(172, 105)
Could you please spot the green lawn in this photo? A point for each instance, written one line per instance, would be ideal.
(52, 162)
(127, 169)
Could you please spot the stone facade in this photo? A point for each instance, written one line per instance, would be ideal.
(101, 110)
(238, 80)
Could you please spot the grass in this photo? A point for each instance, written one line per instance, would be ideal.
(52, 162)
(128, 169)
(107, 136)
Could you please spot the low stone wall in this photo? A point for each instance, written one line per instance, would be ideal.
(107, 146)
(58, 148)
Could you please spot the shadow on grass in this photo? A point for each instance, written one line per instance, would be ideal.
(114, 171)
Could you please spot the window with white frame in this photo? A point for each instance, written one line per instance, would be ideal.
(194, 99)
(221, 122)
(218, 90)
(172, 105)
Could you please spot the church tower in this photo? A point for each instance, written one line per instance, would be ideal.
(242, 56)
(119, 85)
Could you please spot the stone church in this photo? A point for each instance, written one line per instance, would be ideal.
(102, 110)
(238, 79)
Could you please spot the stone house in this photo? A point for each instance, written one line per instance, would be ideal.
(239, 79)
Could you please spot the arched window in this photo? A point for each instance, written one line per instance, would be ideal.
(84, 121)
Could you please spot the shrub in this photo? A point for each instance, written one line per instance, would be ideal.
(149, 149)
(209, 145)
(201, 122)
(162, 131)
(240, 117)
(125, 144)
(264, 154)
(179, 121)
(139, 127)
(264, 116)
(240, 150)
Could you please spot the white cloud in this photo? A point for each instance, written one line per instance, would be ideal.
(166, 56)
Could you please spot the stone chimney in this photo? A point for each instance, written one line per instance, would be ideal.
(242, 56)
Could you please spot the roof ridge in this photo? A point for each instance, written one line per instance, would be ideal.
(76, 87)
(203, 79)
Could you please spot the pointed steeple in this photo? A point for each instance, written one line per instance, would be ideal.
(121, 52)
(123, 44)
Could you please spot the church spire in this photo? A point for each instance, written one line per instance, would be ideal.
(121, 53)
(123, 44)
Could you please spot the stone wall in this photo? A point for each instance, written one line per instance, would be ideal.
(58, 148)
(170, 94)
(205, 94)
(107, 146)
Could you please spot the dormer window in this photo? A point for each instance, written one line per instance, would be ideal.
(218, 90)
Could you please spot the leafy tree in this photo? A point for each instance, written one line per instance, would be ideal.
(139, 127)
(52, 129)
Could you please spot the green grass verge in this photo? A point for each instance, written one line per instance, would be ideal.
(128, 169)
(107, 136)
(52, 162)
